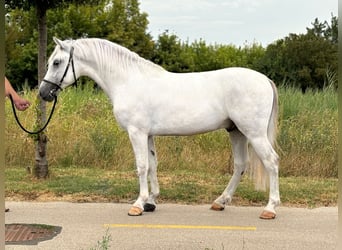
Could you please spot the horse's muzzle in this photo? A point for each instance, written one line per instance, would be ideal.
(48, 93)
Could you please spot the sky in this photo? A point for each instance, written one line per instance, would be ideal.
(236, 22)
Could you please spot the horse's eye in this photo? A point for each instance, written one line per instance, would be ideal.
(56, 62)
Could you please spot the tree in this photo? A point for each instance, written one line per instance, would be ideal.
(324, 29)
(120, 20)
(40, 169)
(167, 52)
(21, 46)
(303, 60)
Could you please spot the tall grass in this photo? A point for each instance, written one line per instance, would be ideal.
(308, 132)
(83, 133)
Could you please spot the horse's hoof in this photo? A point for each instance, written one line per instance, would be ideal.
(267, 215)
(148, 207)
(216, 207)
(135, 211)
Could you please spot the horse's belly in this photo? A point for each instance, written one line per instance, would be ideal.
(180, 123)
(183, 131)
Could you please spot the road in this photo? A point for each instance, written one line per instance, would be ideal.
(174, 226)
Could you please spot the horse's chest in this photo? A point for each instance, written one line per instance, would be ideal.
(128, 113)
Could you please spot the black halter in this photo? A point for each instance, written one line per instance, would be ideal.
(58, 85)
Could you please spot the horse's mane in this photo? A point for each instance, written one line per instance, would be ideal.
(112, 54)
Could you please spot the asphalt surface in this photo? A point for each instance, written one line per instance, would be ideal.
(174, 226)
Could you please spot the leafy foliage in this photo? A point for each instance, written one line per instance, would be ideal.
(176, 56)
(118, 20)
(302, 60)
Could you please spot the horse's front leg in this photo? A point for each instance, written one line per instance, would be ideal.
(140, 148)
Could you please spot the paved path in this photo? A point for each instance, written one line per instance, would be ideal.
(174, 226)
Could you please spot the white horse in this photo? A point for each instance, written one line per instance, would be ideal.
(150, 101)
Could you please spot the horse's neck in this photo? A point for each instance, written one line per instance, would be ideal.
(110, 65)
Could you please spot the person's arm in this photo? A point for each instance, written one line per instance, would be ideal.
(20, 103)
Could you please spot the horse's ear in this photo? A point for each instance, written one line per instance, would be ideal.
(58, 42)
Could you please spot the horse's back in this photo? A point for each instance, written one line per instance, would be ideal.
(236, 95)
(227, 78)
(235, 87)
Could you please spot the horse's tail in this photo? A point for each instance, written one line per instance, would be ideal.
(272, 129)
(257, 171)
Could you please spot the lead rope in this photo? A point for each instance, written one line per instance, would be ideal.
(22, 127)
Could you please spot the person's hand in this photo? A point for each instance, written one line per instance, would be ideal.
(21, 104)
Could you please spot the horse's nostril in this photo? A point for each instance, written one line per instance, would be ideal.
(47, 97)
(52, 93)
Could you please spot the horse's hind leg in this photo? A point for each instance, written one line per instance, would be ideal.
(150, 205)
(241, 161)
(269, 158)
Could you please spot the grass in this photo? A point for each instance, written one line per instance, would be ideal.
(90, 157)
(308, 133)
(180, 186)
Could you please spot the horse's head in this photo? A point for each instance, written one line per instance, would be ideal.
(61, 71)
